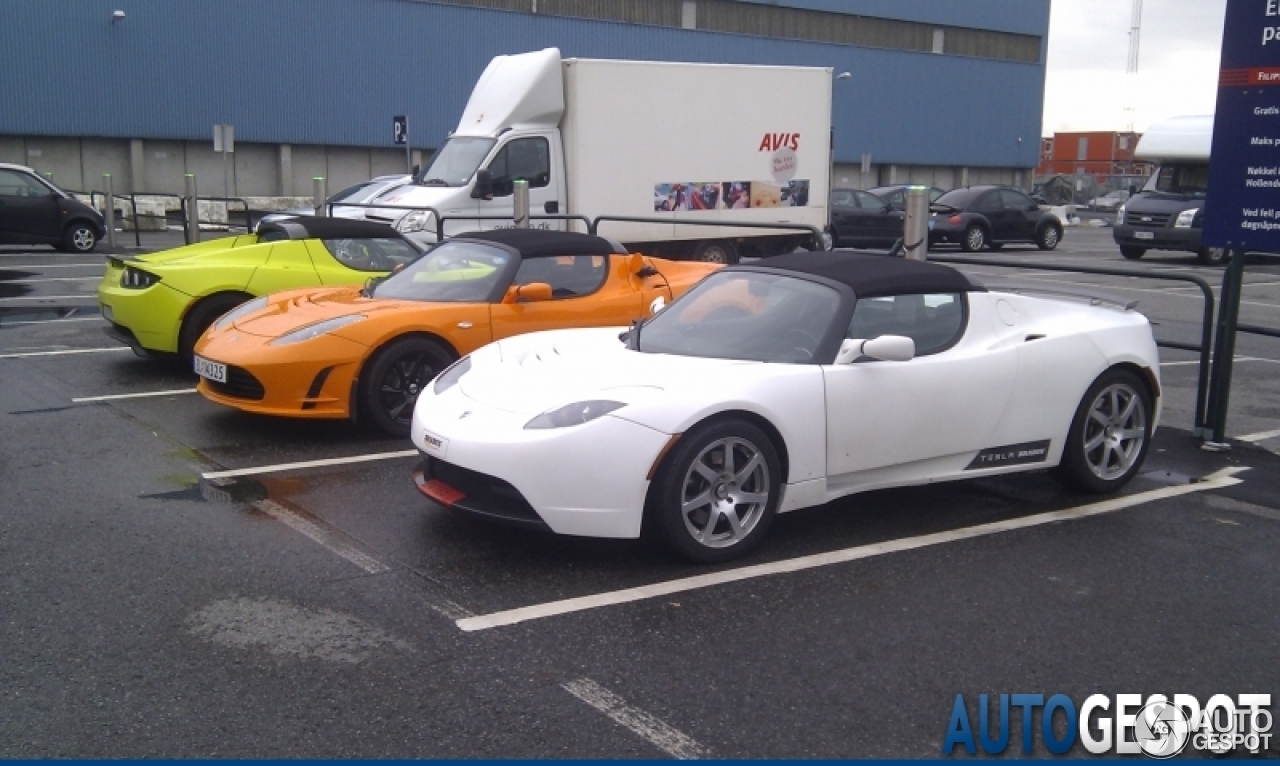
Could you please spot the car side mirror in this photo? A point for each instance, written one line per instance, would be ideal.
(530, 293)
(484, 185)
(886, 348)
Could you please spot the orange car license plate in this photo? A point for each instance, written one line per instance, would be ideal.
(441, 492)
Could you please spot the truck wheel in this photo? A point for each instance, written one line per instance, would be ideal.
(1214, 256)
(1132, 252)
(716, 251)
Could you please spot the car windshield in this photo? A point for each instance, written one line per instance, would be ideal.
(747, 315)
(958, 198)
(453, 272)
(372, 253)
(1181, 178)
(456, 162)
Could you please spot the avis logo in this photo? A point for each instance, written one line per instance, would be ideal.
(772, 142)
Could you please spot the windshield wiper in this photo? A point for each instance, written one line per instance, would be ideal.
(434, 182)
(371, 285)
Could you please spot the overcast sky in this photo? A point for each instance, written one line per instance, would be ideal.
(1086, 87)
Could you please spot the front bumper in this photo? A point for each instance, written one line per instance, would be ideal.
(312, 379)
(588, 480)
(1166, 238)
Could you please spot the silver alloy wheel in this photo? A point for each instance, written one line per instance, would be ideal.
(721, 503)
(1115, 431)
(975, 238)
(1050, 237)
(83, 238)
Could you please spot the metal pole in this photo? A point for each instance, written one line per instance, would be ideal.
(408, 158)
(317, 193)
(915, 224)
(1224, 351)
(226, 187)
(520, 201)
(193, 211)
(110, 212)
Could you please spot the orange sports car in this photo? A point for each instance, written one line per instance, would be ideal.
(340, 351)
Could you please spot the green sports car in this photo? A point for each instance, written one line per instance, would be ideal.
(161, 303)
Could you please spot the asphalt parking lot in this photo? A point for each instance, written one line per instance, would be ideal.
(179, 579)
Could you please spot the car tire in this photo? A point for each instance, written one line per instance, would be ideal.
(716, 251)
(1109, 435)
(974, 239)
(79, 237)
(393, 379)
(203, 314)
(1048, 237)
(1214, 256)
(1132, 252)
(718, 491)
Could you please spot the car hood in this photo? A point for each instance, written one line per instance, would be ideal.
(286, 312)
(1160, 202)
(244, 250)
(534, 373)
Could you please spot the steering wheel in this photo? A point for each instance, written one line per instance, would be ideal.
(803, 341)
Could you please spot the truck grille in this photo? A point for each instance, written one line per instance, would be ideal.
(1148, 220)
(240, 385)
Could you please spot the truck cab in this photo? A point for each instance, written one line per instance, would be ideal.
(1168, 213)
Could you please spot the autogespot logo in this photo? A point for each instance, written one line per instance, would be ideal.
(1157, 726)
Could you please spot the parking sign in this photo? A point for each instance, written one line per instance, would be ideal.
(400, 129)
(1244, 171)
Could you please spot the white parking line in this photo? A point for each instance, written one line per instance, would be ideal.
(1236, 359)
(54, 266)
(319, 534)
(308, 464)
(666, 738)
(85, 296)
(47, 255)
(141, 395)
(50, 279)
(64, 351)
(1218, 480)
(1260, 436)
(48, 321)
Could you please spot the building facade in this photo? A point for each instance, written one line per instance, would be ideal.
(942, 92)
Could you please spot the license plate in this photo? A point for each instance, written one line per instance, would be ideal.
(212, 370)
(106, 313)
(439, 491)
(1144, 235)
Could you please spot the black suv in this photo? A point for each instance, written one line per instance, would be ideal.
(35, 212)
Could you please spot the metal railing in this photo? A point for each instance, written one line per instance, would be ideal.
(1205, 347)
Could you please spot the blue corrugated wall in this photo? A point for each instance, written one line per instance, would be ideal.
(335, 71)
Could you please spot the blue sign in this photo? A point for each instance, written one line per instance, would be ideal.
(400, 129)
(1244, 174)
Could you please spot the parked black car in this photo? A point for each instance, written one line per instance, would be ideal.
(861, 219)
(978, 217)
(897, 195)
(35, 212)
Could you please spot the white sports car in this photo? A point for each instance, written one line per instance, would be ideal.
(786, 384)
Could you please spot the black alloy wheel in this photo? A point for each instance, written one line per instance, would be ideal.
(396, 377)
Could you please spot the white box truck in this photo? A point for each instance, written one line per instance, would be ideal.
(1168, 213)
(679, 142)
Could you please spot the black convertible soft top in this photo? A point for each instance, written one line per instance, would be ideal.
(320, 227)
(872, 275)
(537, 243)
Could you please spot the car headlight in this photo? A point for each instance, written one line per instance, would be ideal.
(414, 220)
(450, 377)
(1185, 218)
(243, 309)
(307, 332)
(1120, 215)
(574, 414)
(137, 279)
